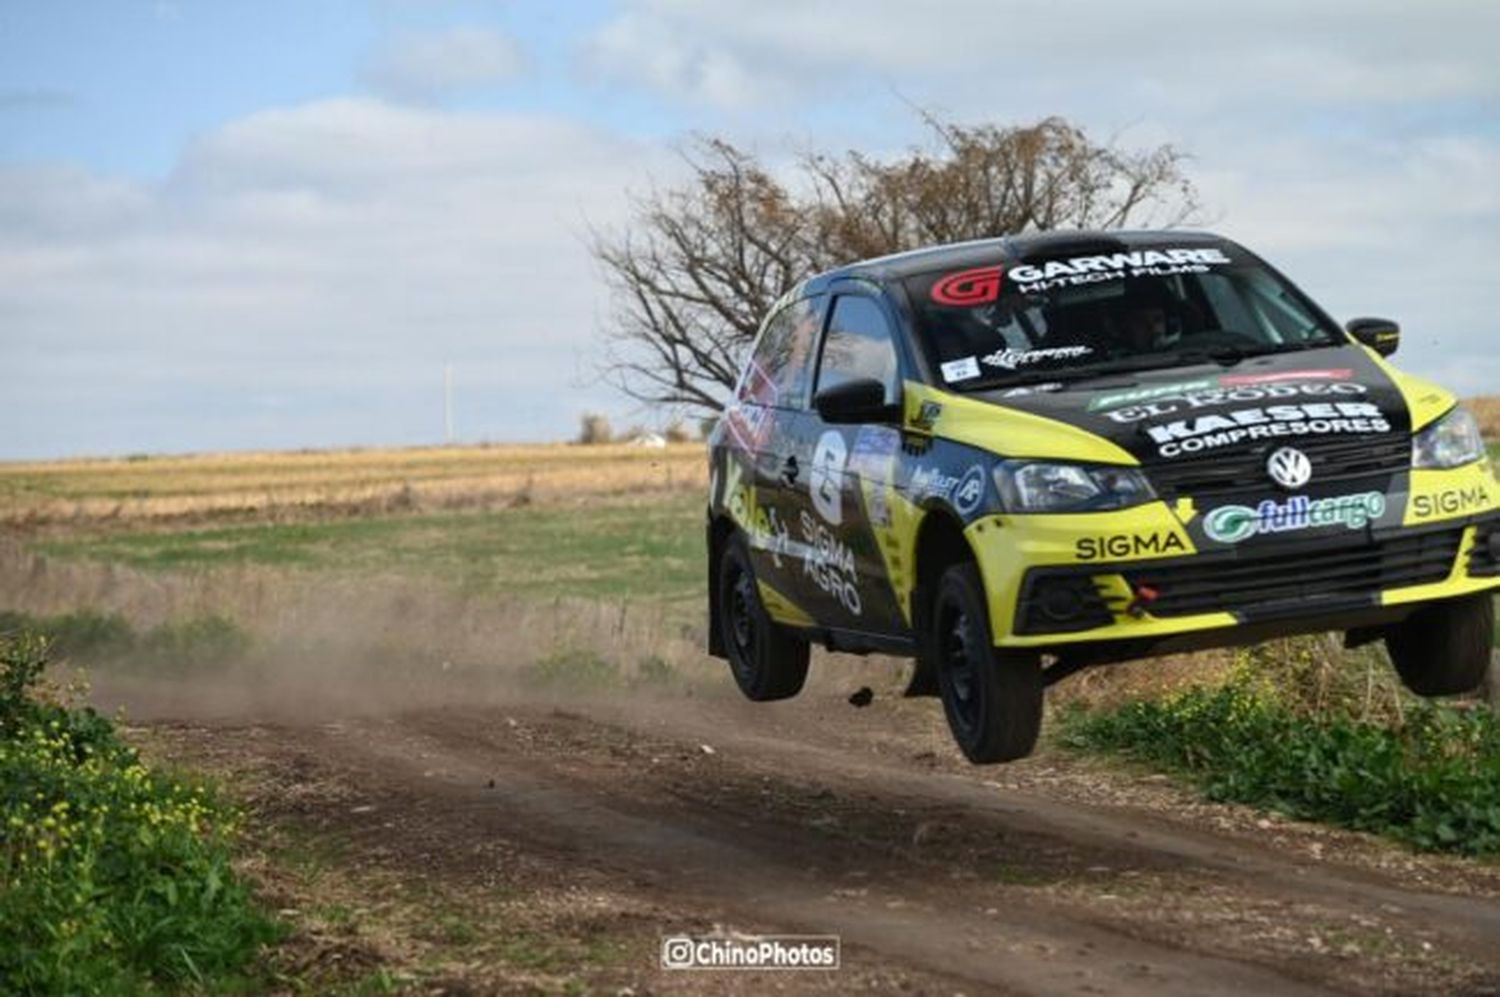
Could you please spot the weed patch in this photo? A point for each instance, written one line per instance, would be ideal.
(113, 877)
(95, 638)
(1429, 778)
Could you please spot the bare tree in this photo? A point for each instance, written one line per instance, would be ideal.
(701, 264)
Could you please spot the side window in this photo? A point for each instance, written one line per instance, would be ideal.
(858, 345)
(779, 373)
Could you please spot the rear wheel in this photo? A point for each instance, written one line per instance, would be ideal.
(768, 661)
(1444, 649)
(992, 698)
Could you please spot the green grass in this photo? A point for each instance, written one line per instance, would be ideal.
(1429, 779)
(600, 550)
(114, 878)
(89, 636)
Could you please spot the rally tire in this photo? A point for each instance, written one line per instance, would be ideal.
(1444, 649)
(768, 661)
(991, 697)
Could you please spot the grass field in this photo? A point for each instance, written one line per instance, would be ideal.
(606, 548)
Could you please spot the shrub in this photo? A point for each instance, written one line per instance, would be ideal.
(1430, 779)
(594, 428)
(210, 640)
(113, 877)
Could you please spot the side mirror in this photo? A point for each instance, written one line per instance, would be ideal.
(860, 400)
(1379, 334)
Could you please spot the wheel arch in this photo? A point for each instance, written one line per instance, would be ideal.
(720, 529)
(940, 543)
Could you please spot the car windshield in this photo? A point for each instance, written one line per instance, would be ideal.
(1062, 316)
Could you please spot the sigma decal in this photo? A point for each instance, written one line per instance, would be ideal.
(826, 482)
(1208, 432)
(1122, 545)
(1166, 399)
(1078, 270)
(963, 369)
(1450, 503)
(828, 561)
(1231, 524)
(1011, 359)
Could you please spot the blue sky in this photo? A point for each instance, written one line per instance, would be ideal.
(228, 225)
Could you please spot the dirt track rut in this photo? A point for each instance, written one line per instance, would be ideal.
(787, 822)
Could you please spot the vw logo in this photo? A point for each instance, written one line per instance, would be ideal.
(1289, 468)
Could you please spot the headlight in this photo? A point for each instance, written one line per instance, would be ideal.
(1036, 487)
(1452, 441)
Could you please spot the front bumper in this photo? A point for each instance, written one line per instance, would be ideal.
(1055, 581)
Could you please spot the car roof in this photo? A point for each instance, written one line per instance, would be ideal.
(1008, 249)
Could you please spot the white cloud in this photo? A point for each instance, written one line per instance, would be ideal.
(435, 64)
(329, 257)
(1176, 50)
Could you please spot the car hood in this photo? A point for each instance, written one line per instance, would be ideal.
(1315, 398)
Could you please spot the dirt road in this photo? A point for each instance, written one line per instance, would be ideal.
(614, 822)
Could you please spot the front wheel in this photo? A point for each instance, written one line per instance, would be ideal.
(992, 698)
(768, 661)
(1444, 649)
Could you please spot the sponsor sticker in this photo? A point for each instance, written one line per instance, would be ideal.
(1134, 396)
(1200, 396)
(1032, 389)
(1079, 270)
(826, 482)
(1235, 380)
(965, 369)
(828, 561)
(1450, 503)
(1128, 545)
(929, 482)
(968, 288)
(1232, 524)
(1184, 437)
(874, 452)
(1013, 359)
(970, 491)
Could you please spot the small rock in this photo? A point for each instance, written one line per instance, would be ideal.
(862, 697)
(707, 749)
(366, 808)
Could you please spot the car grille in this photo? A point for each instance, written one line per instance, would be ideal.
(1332, 460)
(1282, 581)
(1297, 574)
(1484, 559)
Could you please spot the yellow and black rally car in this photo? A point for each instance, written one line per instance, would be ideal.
(1015, 458)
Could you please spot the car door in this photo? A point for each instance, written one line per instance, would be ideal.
(763, 428)
(850, 470)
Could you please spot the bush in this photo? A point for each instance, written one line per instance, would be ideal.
(200, 641)
(84, 633)
(1430, 779)
(209, 640)
(113, 877)
(594, 428)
